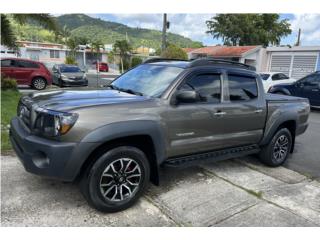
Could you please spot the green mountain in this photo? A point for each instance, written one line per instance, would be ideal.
(82, 25)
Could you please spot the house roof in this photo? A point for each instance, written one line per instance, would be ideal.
(187, 50)
(225, 51)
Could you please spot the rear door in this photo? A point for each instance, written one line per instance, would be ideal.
(24, 70)
(7, 68)
(244, 109)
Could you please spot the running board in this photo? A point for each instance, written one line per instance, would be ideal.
(218, 155)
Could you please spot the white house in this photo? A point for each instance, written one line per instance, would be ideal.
(296, 61)
(251, 55)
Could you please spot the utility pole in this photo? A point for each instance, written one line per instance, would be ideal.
(299, 36)
(164, 30)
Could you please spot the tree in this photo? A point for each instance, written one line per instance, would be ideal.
(73, 45)
(248, 29)
(64, 35)
(96, 47)
(123, 48)
(8, 37)
(174, 52)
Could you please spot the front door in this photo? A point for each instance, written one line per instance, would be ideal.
(23, 71)
(310, 88)
(194, 127)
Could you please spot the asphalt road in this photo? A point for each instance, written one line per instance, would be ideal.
(306, 156)
(100, 79)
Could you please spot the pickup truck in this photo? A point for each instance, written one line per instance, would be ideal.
(163, 113)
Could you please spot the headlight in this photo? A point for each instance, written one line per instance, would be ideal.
(53, 123)
(84, 76)
(64, 77)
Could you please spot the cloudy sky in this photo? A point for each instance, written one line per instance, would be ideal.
(194, 27)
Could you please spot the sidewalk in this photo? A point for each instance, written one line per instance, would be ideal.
(240, 192)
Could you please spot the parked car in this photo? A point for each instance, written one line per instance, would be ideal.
(274, 78)
(26, 72)
(103, 67)
(49, 66)
(65, 75)
(307, 87)
(161, 113)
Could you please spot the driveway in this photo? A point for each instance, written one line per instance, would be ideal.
(306, 157)
(239, 192)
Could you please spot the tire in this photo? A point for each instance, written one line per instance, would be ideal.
(116, 180)
(39, 83)
(277, 151)
(60, 83)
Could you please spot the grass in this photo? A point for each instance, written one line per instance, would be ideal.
(9, 102)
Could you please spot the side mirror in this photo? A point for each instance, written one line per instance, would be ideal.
(187, 96)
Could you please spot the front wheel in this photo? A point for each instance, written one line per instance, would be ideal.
(277, 151)
(39, 83)
(117, 179)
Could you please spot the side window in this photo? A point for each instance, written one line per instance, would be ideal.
(276, 77)
(208, 86)
(283, 76)
(26, 64)
(279, 76)
(242, 87)
(6, 63)
(311, 80)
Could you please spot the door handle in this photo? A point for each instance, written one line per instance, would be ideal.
(315, 90)
(220, 113)
(258, 111)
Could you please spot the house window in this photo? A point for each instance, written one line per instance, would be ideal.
(54, 54)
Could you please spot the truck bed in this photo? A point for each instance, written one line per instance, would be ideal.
(281, 107)
(283, 98)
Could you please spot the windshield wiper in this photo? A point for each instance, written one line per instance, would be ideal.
(126, 90)
(131, 91)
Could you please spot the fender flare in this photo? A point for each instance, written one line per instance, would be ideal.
(131, 128)
(114, 131)
(275, 122)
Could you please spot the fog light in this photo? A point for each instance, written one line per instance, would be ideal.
(40, 159)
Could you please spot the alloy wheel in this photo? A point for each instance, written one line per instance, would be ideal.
(280, 149)
(120, 180)
(39, 83)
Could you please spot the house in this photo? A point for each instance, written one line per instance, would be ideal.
(251, 55)
(296, 61)
(44, 52)
(54, 53)
(143, 50)
(6, 52)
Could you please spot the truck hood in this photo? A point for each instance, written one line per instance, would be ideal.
(64, 100)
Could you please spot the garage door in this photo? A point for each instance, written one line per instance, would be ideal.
(281, 63)
(303, 65)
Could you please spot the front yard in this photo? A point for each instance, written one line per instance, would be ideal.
(9, 102)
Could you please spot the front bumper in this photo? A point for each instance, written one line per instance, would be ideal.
(41, 156)
(68, 83)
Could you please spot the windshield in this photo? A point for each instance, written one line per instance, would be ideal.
(265, 76)
(71, 69)
(147, 79)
